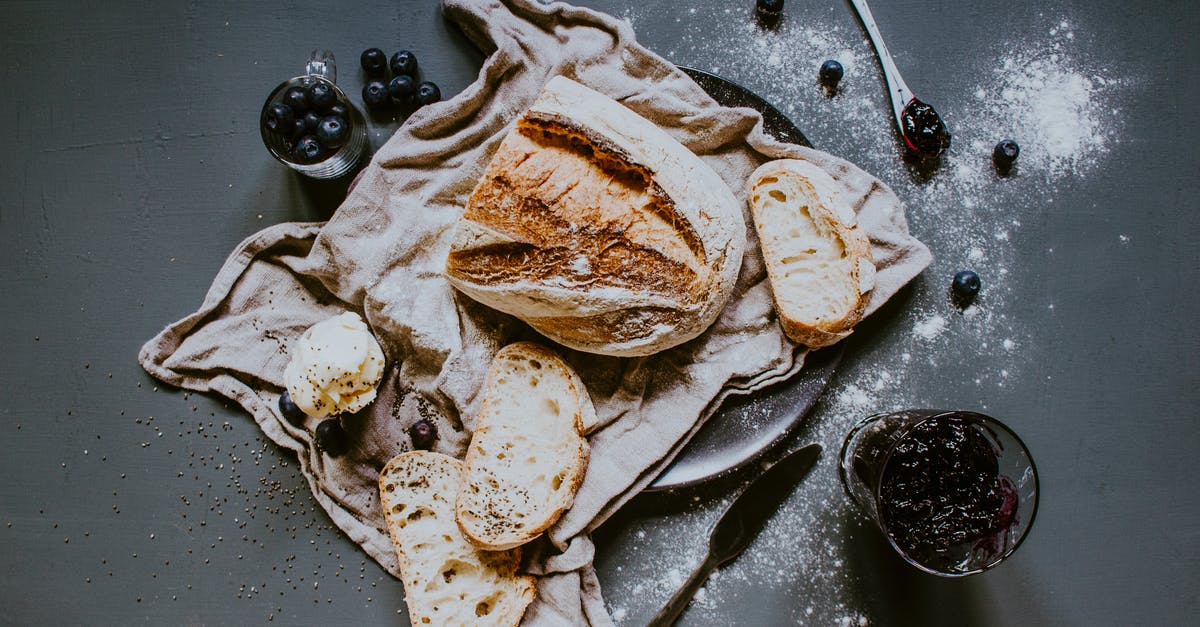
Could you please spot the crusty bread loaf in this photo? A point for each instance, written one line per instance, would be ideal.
(818, 262)
(447, 580)
(598, 229)
(528, 454)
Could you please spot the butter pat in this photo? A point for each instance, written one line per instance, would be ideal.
(335, 368)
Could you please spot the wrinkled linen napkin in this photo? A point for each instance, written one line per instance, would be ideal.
(382, 255)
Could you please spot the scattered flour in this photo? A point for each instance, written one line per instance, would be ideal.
(1038, 90)
(930, 327)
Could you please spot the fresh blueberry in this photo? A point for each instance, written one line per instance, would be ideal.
(340, 110)
(427, 93)
(423, 434)
(332, 132)
(307, 150)
(280, 118)
(402, 89)
(290, 411)
(374, 62)
(298, 128)
(312, 120)
(768, 11)
(1005, 154)
(297, 99)
(965, 286)
(321, 96)
(830, 74)
(331, 437)
(375, 95)
(404, 63)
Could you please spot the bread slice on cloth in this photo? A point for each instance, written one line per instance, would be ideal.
(598, 229)
(818, 262)
(528, 453)
(447, 580)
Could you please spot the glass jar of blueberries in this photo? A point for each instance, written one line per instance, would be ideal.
(309, 125)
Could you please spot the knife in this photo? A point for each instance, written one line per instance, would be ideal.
(741, 522)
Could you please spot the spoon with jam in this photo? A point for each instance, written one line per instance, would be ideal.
(923, 131)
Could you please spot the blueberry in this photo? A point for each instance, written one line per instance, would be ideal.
(830, 73)
(375, 95)
(312, 120)
(306, 150)
(965, 286)
(340, 110)
(297, 99)
(298, 128)
(404, 63)
(290, 411)
(331, 437)
(321, 96)
(423, 434)
(374, 62)
(1005, 154)
(402, 89)
(427, 93)
(768, 11)
(332, 132)
(280, 118)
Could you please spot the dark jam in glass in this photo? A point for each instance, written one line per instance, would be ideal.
(923, 130)
(942, 498)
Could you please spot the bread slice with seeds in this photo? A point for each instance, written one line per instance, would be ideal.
(818, 262)
(528, 454)
(447, 580)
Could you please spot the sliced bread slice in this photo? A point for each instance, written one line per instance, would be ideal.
(447, 580)
(818, 262)
(528, 454)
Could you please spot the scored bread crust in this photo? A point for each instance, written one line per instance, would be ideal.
(447, 580)
(574, 263)
(786, 197)
(528, 454)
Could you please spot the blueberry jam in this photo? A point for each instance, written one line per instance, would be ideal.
(924, 132)
(942, 497)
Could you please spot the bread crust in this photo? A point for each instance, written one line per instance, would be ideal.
(598, 229)
(813, 192)
(495, 532)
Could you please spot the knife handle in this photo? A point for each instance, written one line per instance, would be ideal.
(671, 611)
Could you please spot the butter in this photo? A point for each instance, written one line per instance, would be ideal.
(335, 367)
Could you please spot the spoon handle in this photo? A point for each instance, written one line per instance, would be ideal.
(671, 611)
(898, 92)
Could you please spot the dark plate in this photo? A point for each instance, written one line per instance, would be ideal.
(731, 94)
(745, 427)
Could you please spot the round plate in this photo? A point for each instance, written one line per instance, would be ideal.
(745, 427)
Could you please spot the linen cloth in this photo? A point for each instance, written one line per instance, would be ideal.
(382, 255)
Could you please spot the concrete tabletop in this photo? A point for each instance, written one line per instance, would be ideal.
(133, 166)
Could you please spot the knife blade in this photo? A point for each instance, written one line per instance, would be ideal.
(741, 522)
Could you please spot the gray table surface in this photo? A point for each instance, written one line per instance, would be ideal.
(133, 166)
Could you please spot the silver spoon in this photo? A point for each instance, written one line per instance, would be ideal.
(922, 129)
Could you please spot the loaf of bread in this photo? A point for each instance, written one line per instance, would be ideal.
(447, 580)
(528, 453)
(598, 229)
(818, 262)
